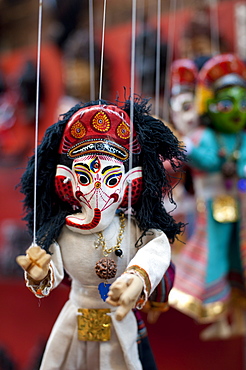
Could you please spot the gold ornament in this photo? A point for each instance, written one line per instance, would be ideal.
(225, 209)
(94, 324)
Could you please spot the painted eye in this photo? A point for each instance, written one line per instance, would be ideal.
(83, 178)
(213, 108)
(187, 105)
(113, 180)
(243, 105)
(224, 106)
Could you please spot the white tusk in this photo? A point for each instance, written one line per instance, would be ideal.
(66, 180)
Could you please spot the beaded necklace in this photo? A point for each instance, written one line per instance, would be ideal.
(106, 268)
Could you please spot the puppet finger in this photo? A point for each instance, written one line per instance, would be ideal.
(114, 303)
(23, 261)
(37, 273)
(117, 288)
(132, 292)
(44, 260)
(122, 311)
(35, 252)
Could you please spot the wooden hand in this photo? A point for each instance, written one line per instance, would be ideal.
(124, 292)
(35, 263)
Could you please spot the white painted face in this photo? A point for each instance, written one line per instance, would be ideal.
(98, 184)
(183, 112)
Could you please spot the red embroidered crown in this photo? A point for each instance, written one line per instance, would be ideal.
(215, 71)
(99, 129)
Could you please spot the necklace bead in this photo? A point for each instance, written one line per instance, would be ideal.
(118, 252)
(106, 268)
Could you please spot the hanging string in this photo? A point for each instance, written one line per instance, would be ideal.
(140, 46)
(91, 51)
(132, 77)
(133, 53)
(37, 121)
(170, 38)
(158, 57)
(102, 50)
(214, 27)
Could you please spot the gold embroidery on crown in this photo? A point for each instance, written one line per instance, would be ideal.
(78, 130)
(123, 131)
(101, 122)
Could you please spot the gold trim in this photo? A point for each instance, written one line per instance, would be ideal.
(94, 324)
(193, 307)
(143, 273)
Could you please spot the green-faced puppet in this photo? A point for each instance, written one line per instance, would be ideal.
(226, 106)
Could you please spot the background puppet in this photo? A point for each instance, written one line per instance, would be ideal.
(209, 281)
(84, 178)
(184, 118)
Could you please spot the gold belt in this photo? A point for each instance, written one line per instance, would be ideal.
(94, 324)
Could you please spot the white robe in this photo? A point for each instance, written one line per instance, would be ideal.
(76, 254)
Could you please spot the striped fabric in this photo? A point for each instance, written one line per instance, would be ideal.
(162, 290)
(142, 331)
(191, 262)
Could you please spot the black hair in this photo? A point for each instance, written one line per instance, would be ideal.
(158, 144)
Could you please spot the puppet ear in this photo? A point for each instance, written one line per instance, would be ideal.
(135, 189)
(64, 189)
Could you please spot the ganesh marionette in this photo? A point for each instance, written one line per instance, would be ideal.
(100, 217)
(210, 271)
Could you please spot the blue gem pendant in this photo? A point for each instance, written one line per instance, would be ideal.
(103, 289)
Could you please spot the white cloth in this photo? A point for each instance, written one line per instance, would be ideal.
(76, 254)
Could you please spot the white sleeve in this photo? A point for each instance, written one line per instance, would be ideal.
(151, 262)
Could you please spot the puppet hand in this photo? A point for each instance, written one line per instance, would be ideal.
(124, 292)
(35, 262)
(153, 316)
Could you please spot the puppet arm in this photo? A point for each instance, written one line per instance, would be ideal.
(142, 275)
(204, 154)
(41, 273)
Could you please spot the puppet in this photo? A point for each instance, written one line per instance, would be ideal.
(210, 283)
(89, 163)
(183, 111)
(184, 118)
